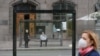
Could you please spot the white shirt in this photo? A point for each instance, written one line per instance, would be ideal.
(43, 37)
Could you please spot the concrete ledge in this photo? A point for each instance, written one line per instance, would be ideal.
(38, 48)
(41, 48)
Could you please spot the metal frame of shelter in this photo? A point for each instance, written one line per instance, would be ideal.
(73, 12)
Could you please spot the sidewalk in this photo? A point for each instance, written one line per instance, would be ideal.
(35, 45)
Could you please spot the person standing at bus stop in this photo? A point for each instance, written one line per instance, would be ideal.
(88, 44)
(26, 38)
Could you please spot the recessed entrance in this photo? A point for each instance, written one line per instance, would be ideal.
(23, 13)
(26, 25)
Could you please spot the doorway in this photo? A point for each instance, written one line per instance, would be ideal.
(27, 25)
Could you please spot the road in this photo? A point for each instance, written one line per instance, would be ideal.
(39, 53)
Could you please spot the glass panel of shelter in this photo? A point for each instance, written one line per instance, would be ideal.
(57, 30)
(53, 28)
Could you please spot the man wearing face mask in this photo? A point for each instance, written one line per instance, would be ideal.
(88, 44)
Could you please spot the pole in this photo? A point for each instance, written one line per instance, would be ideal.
(61, 35)
(20, 38)
(74, 35)
(14, 33)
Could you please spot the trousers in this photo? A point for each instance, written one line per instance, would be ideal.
(43, 41)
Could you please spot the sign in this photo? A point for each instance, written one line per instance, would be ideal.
(64, 26)
(58, 29)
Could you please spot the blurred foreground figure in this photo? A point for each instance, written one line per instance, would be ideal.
(88, 44)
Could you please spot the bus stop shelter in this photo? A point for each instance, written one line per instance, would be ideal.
(38, 21)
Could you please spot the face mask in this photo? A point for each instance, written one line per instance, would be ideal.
(82, 43)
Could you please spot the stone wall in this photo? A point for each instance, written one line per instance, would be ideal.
(4, 16)
(82, 25)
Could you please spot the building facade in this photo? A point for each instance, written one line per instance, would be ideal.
(82, 8)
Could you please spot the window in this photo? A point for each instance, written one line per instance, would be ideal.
(62, 5)
(25, 6)
(59, 16)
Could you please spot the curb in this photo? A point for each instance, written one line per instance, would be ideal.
(40, 48)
